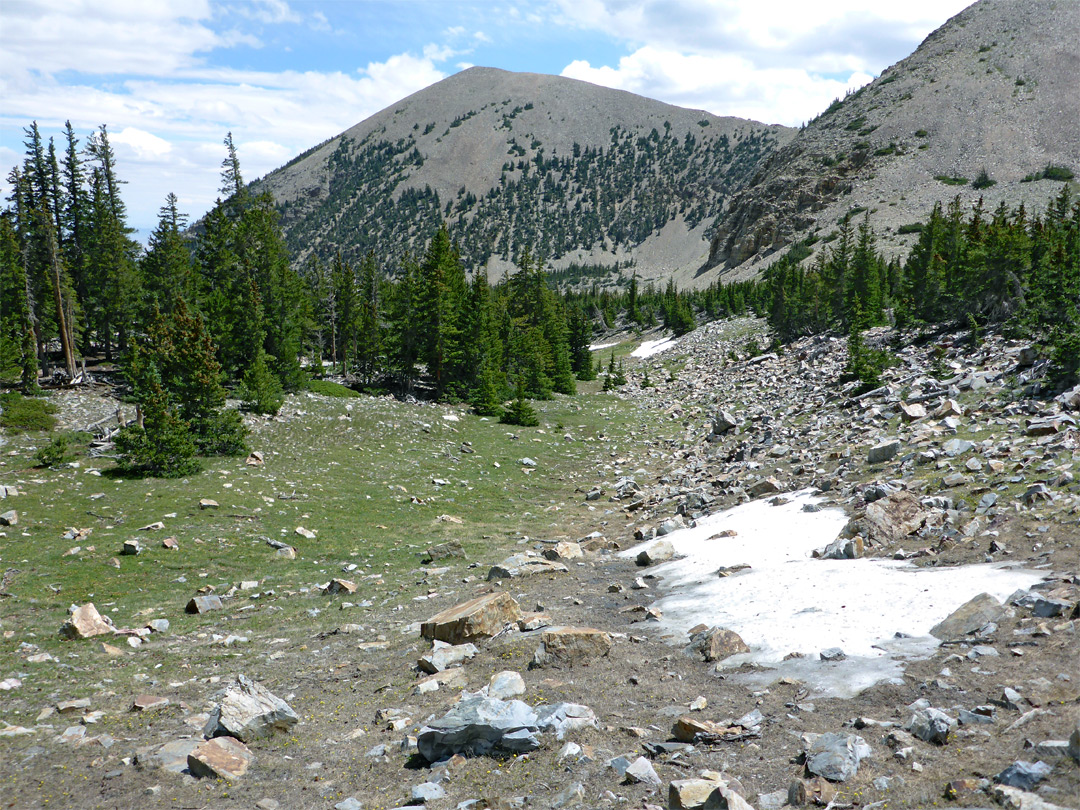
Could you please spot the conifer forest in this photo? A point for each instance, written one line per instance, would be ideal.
(216, 308)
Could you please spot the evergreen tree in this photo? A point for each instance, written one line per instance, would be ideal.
(520, 411)
(260, 390)
(112, 281)
(160, 443)
(18, 349)
(369, 337)
(166, 266)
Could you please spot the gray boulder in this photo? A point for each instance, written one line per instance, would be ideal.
(564, 717)
(722, 423)
(970, 617)
(836, 757)
(523, 565)
(842, 548)
(641, 770)
(248, 711)
(444, 656)
(931, 725)
(659, 552)
(479, 725)
(1023, 775)
(883, 451)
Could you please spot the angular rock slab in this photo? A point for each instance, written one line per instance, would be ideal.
(894, 517)
(172, 756)
(249, 711)
(563, 718)
(478, 725)
(883, 452)
(84, 621)
(569, 645)
(704, 794)
(836, 757)
(524, 565)
(446, 656)
(203, 604)
(564, 551)
(220, 758)
(658, 552)
(478, 618)
(717, 643)
(766, 486)
(641, 771)
(506, 684)
(974, 614)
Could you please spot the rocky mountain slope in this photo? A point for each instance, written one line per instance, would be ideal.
(579, 172)
(317, 664)
(994, 89)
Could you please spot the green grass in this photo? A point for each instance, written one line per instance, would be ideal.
(331, 389)
(357, 472)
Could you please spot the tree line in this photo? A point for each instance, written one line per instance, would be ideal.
(218, 306)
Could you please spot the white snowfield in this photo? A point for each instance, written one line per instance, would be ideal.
(650, 347)
(595, 347)
(789, 602)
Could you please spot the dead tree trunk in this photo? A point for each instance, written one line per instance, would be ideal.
(53, 253)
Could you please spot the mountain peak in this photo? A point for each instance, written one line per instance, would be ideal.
(578, 172)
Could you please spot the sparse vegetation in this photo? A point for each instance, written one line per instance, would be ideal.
(951, 180)
(983, 180)
(26, 413)
(1050, 172)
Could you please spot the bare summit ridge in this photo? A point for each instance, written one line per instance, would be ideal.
(992, 90)
(575, 171)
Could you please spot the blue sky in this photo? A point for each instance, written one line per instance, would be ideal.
(171, 78)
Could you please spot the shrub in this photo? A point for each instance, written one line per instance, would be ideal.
(951, 181)
(520, 411)
(330, 389)
(166, 450)
(26, 413)
(55, 453)
(983, 180)
(911, 227)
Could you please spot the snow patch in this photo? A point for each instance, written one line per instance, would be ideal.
(595, 347)
(650, 347)
(789, 602)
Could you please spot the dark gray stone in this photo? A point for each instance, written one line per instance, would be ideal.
(478, 725)
(836, 757)
(1023, 775)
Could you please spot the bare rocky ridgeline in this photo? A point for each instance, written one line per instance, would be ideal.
(541, 679)
(471, 131)
(992, 89)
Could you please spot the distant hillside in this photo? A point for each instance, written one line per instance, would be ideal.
(995, 89)
(579, 173)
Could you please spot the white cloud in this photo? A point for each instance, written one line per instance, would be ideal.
(167, 134)
(143, 144)
(116, 37)
(772, 60)
(268, 11)
(721, 84)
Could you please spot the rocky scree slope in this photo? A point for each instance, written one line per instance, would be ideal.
(992, 89)
(578, 172)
